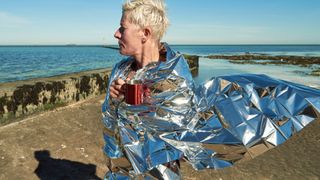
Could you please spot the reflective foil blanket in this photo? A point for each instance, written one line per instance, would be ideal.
(222, 121)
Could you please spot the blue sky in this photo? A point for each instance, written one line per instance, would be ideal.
(192, 22)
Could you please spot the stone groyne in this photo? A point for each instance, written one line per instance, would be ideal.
(21, 98)
(26, 97)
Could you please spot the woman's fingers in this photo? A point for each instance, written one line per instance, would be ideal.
(113, 92)
(116, 88)
(119, 81)
(113, 95)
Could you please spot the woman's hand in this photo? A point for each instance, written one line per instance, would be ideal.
(117, 88)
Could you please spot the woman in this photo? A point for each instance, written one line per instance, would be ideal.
(162, 72)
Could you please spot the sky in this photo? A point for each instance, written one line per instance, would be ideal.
(60, 22)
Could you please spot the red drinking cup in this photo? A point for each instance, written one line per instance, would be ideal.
(133, 92)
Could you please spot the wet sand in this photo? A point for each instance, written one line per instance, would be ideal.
(73, 137)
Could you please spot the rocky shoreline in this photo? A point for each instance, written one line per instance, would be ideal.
(304, 61)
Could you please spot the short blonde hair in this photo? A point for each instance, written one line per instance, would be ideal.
(147, 13)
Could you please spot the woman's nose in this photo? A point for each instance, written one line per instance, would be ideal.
(117, 34)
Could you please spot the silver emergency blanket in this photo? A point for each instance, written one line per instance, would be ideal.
(214, 125)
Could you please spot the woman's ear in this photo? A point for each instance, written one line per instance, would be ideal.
(146, 34)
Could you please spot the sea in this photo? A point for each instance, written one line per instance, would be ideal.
(28, 62)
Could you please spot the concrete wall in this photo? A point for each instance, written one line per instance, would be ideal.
(25, 97)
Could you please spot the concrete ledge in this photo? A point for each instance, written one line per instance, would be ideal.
(25, 97)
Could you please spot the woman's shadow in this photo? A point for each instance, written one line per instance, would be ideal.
(50, 168)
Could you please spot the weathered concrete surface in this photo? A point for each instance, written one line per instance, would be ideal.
(26, 97)
(73, 136)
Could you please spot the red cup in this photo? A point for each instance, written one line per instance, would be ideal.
(133, 92)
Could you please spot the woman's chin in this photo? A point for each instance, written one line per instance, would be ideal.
(122, 52)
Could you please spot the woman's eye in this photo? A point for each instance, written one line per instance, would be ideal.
(121, 29)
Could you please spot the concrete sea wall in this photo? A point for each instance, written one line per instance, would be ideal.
(21, 98)
(26, 97)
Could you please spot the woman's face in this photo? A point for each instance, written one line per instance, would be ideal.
(129, 37)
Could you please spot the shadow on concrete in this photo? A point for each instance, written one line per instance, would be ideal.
(50, 168)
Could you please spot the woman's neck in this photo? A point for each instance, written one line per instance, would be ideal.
(149, 54)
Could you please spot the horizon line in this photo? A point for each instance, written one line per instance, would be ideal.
(173, 44)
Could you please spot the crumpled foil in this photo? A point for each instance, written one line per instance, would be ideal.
(224, 120)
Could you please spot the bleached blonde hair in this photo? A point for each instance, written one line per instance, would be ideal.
(147, 13)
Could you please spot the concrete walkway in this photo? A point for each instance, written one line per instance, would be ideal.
(66, 143)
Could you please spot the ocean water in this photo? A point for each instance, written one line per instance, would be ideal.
(27, 62)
